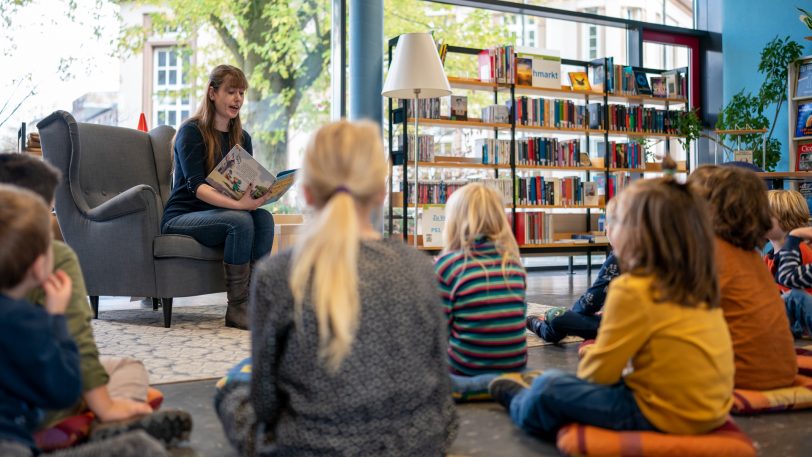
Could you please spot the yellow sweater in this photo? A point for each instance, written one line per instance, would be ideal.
(682, 357)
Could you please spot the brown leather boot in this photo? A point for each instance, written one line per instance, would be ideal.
(237, 278)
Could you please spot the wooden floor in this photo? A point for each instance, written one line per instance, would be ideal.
(485, 428)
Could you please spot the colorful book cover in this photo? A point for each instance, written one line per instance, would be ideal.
(803, 123)
(524, 71)
(804, 162)
(805, 188)
(546, 70)
(641, 82)
(579, 81)
(238, 171)
(803, 88)
(658, 87)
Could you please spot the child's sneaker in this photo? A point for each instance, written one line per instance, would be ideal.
(507, 386)
(542, 326)
(168, 426)
(530, 375)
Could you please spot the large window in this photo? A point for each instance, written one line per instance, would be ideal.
(170, 100)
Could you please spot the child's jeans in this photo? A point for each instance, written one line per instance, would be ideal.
(798, 304)
(556, 399)
(561, 322)
(471, 387)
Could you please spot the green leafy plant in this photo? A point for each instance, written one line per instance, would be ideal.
(689, 127)
(805, 17)
(747, 111)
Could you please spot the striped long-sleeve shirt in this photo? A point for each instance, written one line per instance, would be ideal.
(791, 270)
(485, 309)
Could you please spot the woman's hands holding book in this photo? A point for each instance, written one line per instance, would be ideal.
(248, 202)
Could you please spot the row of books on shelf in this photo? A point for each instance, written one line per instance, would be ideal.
(530, 190)
(571, 191)
(626, 80)
(542, 68)
(623, 155)
(548, 152)
(493, 151)
(543, 112)
(426, 147)
(533, 227)
(635, 118)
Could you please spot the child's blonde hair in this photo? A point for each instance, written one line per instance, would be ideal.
(344, 168)
(664, 231)
(790, 208)
(25, 233)
(474, 211)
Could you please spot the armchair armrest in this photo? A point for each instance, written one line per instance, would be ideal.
(133, 200)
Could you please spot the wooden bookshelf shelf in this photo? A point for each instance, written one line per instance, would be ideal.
(645, 99)
(785, 174)
(563, 244)
(643, 134)
(555, 168)
(469, 124)
(469, 83)
(558, 206)
(630, 170)
(459, 165)
(564, 92)
(538, 128)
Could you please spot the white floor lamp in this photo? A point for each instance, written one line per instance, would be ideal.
(415, 72)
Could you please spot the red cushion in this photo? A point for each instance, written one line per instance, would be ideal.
(589, 441)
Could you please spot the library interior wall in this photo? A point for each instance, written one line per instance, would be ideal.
(747, 26)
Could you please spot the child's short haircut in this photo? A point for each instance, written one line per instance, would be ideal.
(738, 203)
(790, 208)
(25, 233)
(29, 173)
(664, 232)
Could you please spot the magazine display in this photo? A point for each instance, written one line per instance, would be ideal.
(238, 170)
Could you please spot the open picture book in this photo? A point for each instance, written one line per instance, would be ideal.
(238, 170)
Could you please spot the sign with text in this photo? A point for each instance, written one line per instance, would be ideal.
(433, 223)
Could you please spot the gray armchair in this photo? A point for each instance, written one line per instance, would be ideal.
(115, 184)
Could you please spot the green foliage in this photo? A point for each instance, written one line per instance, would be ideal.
(775, 58)
(805, 17)
(689, 126)
(747, 111)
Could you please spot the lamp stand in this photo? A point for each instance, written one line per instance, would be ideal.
(416, 113)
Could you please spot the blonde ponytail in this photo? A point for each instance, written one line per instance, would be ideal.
(344, 168)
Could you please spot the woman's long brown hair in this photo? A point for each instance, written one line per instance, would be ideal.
(663, 230)
(222, 76)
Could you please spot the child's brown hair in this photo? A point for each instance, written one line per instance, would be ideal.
(790, 209)
(30, 173)
(663, 231)
(25, 233)
(739, 209)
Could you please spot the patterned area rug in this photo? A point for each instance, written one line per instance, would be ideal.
(197, 346)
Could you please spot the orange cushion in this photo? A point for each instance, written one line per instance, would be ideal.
(75, 429)
(589, 441)
(797, 396)
(804, 360)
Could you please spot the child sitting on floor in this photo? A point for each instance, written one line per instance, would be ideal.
(483, 284)
(662, 314)
(114, 389)
(582, 319)
(790, 211)
(348, 341)
(762, 343)
(40, 362)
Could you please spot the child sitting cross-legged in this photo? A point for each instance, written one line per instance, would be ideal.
(40, 362)
(583, 319)
(790, 211)
(662, 315)
(483, 283)
(740, 214)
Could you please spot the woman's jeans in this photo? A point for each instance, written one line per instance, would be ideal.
(244, 235)
(556, 399)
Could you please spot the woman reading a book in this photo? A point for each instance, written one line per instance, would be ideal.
(198, 210)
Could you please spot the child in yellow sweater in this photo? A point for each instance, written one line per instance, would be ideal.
(662, 314)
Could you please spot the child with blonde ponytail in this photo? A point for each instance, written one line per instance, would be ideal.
(348, 340)
(483, 283)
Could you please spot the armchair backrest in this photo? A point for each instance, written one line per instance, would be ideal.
(100, 161)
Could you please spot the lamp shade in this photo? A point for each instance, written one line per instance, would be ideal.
(416, 66)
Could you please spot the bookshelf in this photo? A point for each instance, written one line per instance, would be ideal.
(799, 101)
(511, 171)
